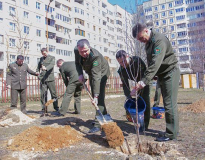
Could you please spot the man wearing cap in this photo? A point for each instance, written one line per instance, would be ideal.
(16, 79)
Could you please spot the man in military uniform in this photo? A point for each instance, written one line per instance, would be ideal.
(133, 68)
(162, 62)
(73, 86)
(97, 68)
(16, 79)
(46, 69)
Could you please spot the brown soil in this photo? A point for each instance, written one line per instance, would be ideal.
(113, 134)
(197, 107)
(45, 139)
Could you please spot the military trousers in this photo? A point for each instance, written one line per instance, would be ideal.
(14, 99)
(145, 94)
(75, 89)
(101, 98)
(44, 88)
(169, 84)
(157, 95)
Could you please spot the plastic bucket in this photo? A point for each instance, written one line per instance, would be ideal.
(158, 112)
(130, 107)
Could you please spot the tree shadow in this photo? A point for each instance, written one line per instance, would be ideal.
(77, 123)
(128, 127)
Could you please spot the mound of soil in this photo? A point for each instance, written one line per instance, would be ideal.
(44, 139)
(14, 117)
(197, 107)
(113, 134)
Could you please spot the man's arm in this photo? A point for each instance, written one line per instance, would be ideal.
(31, 72)
(8, 75)
(65, 79)
(96, 75)
(125, 85)
(77, 62)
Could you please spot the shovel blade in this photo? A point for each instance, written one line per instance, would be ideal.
(104, 119)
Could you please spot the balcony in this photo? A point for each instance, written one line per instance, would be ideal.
(79, 1)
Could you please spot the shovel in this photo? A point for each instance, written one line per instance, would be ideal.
(101, 118)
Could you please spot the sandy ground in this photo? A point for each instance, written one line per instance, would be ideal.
(190, 144)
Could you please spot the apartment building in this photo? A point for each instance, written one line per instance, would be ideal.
(28, 25)
(177, 19)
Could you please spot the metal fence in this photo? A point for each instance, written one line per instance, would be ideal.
(113, 86)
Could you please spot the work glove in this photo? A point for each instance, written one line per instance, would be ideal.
(95, 100)
(81, 79)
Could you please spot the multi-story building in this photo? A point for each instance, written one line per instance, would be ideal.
(175, 18)
(28, 25)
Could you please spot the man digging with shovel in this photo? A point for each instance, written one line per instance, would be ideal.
(96, 66)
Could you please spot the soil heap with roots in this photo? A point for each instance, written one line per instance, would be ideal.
(113, 134)
(44, 139)
(197, 107)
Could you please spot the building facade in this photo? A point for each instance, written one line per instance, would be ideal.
(28, 25)
(183, 22)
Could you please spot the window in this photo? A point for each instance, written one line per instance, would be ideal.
(163, 14)
(12, 42)
(51, 48)
(171, 20)
(1, 7)
(157, 23)
(79, 21)
(25, 14)
(155, 8)
(38, 19)
(1, 39)
(156, 16)
(12, 11)
(38, 47)
(173, 43)
(171, 13)
(25, 2)
(26, 29)
(79, 32)
(93, 28)
(38, 5)
(172, 28)
(164, 29)
(164, 21)
(162, 6)
(170, 5)
(173, 35)
(180, 17)
(26, 59)
(1, 20)
(26, 44)
(12, 26)
(38, 33)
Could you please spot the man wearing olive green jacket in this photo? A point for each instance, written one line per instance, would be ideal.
(97, 68)
(162, 62)
(46, 66)
(73, 86)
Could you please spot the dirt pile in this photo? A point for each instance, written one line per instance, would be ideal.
(113, 134)
(44, 139)
(14, 117)
(197, 107)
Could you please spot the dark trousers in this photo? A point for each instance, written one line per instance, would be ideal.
(169, 84)
(44, 88)
(75, 89)
(14, 98)
(101, 98)
(157, 95)
(145, 94)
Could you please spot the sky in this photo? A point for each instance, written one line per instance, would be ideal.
(128, 5)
